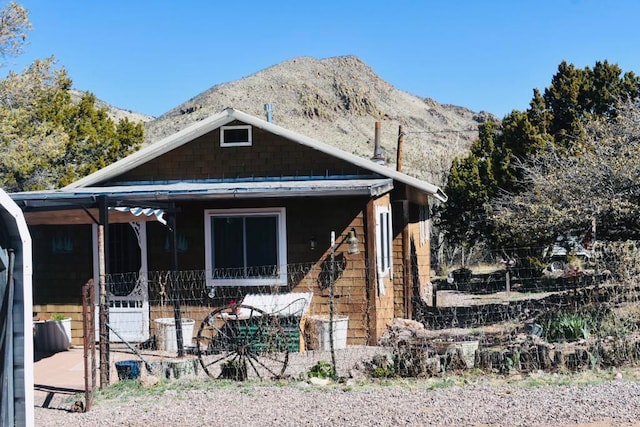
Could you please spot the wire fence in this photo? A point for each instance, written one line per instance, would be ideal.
(507, 302)
(561, 307)
(196, 293)
(515, 284)
(313, 297)
(531, 273)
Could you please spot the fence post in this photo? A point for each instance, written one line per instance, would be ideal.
(104, 313)
(177, 315)
(434, 295)
(103, 257)
(89, 341)
(508, 265)
(174, 292)
(508, 282)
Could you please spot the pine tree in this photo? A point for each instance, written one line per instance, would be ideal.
(558, 119)
(46, 139)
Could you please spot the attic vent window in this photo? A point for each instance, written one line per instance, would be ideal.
(235, 136)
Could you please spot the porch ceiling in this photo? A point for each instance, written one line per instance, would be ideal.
(74, 216)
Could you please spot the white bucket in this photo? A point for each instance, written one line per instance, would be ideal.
(340, 326)
(166, 333)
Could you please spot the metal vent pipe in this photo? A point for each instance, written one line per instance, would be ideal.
(377, 149)
(268, 109)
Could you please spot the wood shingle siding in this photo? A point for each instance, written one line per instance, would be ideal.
(269, 156)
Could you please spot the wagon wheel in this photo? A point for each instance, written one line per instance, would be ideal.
(556, 265)
(240, 342)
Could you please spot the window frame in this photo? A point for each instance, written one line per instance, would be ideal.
(247, 143)
(384, 241)
(280, 214)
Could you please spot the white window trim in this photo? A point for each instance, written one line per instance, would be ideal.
(424, 225)
(280, 280)
(384, 236)
(236, 144)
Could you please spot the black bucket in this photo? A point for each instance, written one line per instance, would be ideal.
(128, 369)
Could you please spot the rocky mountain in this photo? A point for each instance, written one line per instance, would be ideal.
(337, 101)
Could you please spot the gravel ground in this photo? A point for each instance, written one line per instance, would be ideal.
(481, 401)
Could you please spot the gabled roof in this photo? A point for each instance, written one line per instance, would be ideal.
(227, 116)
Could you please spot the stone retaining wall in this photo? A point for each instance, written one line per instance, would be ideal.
(420, 361)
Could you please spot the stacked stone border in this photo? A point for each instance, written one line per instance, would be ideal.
(414, 352)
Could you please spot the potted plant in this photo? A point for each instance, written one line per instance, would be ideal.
(235, 307)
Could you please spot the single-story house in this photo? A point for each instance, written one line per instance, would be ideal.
(240, 205)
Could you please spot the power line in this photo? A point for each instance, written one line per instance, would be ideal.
(441, 131)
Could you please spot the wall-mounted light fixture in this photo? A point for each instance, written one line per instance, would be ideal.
(353, 243)
(313, 243)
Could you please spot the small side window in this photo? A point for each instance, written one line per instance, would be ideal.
(384, 245)
(384, 239)
(235, 136)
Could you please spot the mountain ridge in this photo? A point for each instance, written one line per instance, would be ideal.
(337, 101)
(115, 113)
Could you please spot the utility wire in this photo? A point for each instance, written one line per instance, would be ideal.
(440, 131)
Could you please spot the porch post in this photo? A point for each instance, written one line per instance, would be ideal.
(104, 307)
(175, 294)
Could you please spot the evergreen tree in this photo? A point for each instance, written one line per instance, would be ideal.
(95, 140)
(46, 139)
(558, 119)
(465, 190)
(14, 24)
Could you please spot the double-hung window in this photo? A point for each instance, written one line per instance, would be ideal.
(384, 245)
(245, 247)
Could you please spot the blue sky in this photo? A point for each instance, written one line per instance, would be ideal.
(150, 56)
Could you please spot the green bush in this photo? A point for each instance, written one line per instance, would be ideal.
(380, 372)
(322, 369)
(585, 323)
(566, 326)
